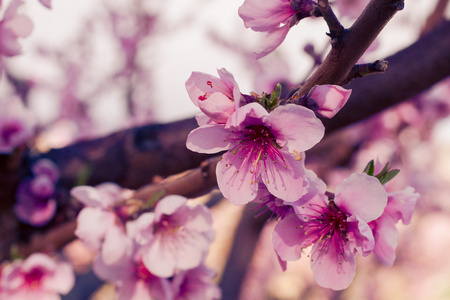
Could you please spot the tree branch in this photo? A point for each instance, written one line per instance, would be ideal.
(344, 55)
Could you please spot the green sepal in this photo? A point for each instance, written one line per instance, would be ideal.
(387, 176)
(155, 198)
(370, 168)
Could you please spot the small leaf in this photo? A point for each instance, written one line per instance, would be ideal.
(385, 178)
(370, 168)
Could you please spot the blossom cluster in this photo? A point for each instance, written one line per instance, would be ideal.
(36, 201)
(265, 141)
(37, 277)
(157, 255)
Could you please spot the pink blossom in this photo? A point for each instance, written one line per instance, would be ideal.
(351, 8)
(337, 229)
(36, 201)
(13, 26)
(275, 17)
(46, 3)
(16, 125)
(35, 196)
(281, 208)
(217, 98)
(330, 99)
(99, 224)
(37, 277)
(46, 167)
(174, 237)
(400, 206)
(196, 284)
(132, 279)
(262, 147)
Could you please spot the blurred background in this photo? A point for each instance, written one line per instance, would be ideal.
(94, 67)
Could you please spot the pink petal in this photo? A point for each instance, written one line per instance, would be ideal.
(114, 273)
(87, 195)
(159, 258)
(62, 280)
(200, 84)
(331, 269)
(20, 25)
(285, 182)
(92, 224)
(289, 239)
(141, 229)
(360, 236)
(273, 39)
(297, 125)
(208, 139)
(234, 179)
(116, 246)
(331, 98)
(386, 240)
(361, 195)
(218, 107)
(228, 79)
(401, 204)
(247, 115)
(265, 15)
(168, 205)
(46, 3)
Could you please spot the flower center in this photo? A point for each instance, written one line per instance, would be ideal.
(257, 147)
(33, 278)
(329, 227)
(9, 130)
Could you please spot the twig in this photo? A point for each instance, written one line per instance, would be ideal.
(343, 56)
(436, 16)
(360, 70)
(336, 29)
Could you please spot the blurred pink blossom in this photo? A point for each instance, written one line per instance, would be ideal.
(132, 279)
(337, 229)
(35, 197)
(261, 146)
(16, 125)
(46, 3)
(174, 237)
(196, 284)
(400, 206)
(217, 98)
(275, 17)
(36, 277)
(351, 8)
(13, 26)
(99, 224)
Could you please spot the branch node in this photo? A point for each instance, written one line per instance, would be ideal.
(360, 70)
(399, 5)
(324, 9)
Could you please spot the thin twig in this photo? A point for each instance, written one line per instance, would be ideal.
(361, 70)
(336, 29)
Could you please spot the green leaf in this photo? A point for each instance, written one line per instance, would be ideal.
(370, 168)
(385, 178)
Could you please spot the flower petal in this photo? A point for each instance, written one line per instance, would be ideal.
(296, 125)
(273, 39)
(208, 139)
(235, 180)
(386, 240)
(361, 195)
(332, 269)
(288, 181)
